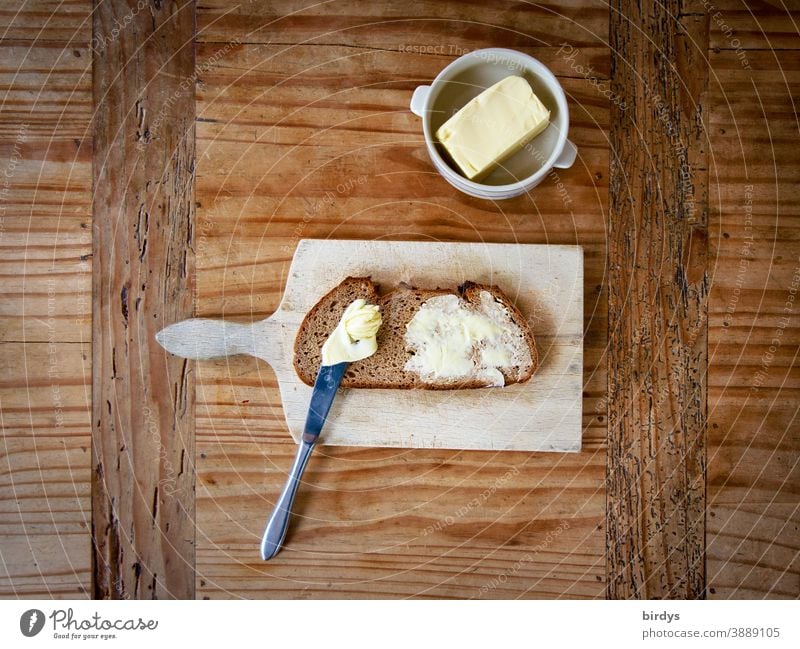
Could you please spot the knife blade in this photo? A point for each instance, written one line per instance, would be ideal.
(325, 388)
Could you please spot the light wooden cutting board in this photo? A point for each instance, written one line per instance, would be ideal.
(544, 281)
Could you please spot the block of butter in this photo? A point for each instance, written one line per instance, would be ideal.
(493, 125)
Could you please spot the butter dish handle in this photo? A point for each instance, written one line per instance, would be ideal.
(567, 157)
(418, 100)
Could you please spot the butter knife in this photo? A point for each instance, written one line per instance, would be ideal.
(325, 387)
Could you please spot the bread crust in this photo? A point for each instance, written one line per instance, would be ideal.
(397, 306)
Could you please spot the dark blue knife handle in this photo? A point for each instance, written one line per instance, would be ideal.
(325, 388)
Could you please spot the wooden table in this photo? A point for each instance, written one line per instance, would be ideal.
(163, 162)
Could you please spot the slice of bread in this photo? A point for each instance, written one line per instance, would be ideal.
(387, 368)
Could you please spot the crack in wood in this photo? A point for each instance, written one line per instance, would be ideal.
(123, 299)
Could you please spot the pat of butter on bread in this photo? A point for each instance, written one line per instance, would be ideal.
(493, 126)
(451, 339)
(354, 338)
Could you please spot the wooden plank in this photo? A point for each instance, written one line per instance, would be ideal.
(45, 239)
(372, 523)
(46, 278)
(143, 438)
(46, 87)
(657, 304)
(45, 515)
(281, 129)
(754, 329)
(753, 25)
(754, 551)
(45, 193)
(65, 21)
(393, 25)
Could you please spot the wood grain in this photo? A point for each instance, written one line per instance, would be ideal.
(754, 326)
(753, 551)
(45, 293)
(143, 438)
(544, 282)
(753, 25)
(65, 21)
(432, 27)
(383, 523)
(310, 136)
(657, 305)
(45, 516)
(45, 205)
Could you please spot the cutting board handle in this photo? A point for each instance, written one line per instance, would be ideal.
(203, 338)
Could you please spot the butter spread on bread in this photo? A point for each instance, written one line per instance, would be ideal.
(450, 338)
(353, 339)
(511, 353)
